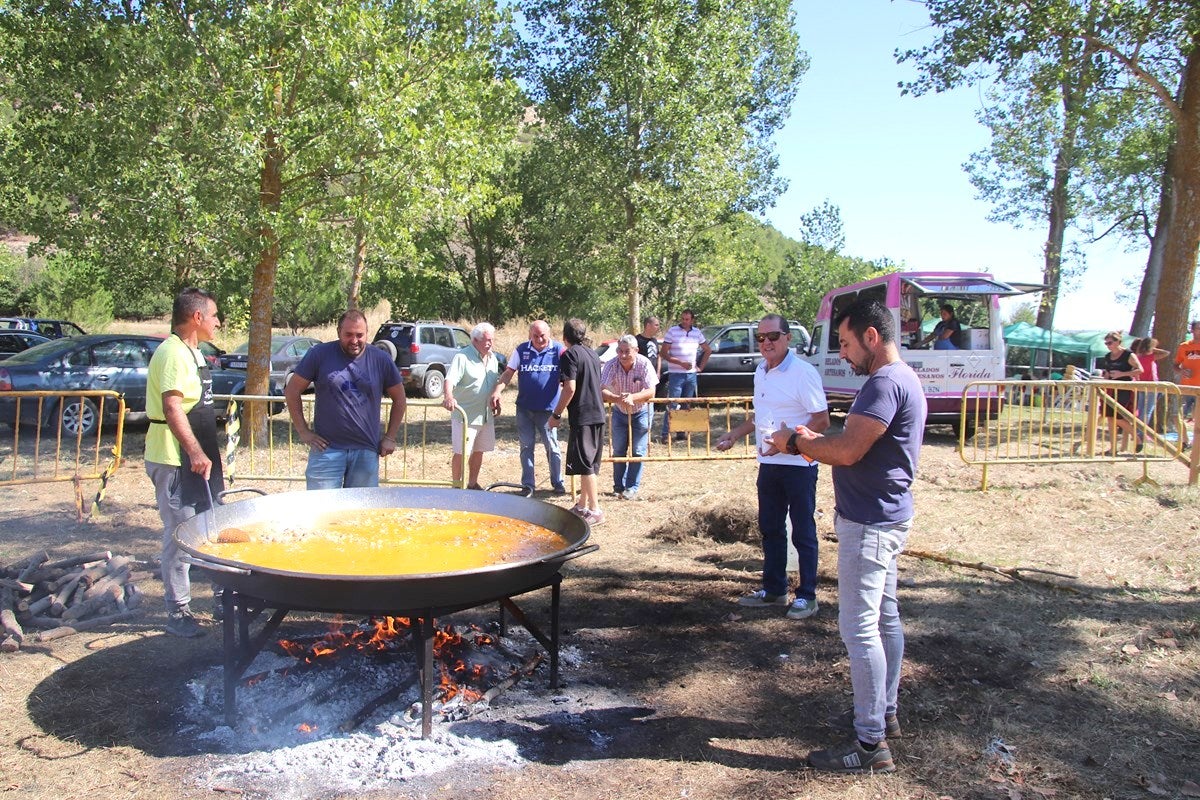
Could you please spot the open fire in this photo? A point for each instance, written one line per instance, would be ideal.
(336, 681)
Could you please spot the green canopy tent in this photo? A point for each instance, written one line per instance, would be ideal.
(1051, 350)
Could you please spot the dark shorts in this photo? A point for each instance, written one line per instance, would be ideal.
(1124, 400)
(585, 446)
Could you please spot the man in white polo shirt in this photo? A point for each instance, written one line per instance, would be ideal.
(787, 393)
(685, 351)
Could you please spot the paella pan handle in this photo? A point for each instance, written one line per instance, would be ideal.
(525, 492)
(563, 558)
(197, 562)
(223, 494)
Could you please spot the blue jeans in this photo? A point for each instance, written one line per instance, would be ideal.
(869, 618)
(531, 426)
(1146, 401)
(629, 475)
(679, 384)
(336, 469)
(788, 491)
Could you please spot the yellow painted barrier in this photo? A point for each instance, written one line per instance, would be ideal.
(275, 454)
(1041, 422)
(48, 441)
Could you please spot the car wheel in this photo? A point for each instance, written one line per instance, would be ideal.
(389, 348)
(434, 384)
(79, 417)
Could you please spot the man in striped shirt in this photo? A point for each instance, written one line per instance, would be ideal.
(627, 382)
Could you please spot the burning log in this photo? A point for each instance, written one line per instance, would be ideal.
(374, 704)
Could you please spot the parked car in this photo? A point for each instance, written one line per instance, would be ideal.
(119, 362)
(422, 350)
(286, 352)
(13, 342)
(50, 328)
(735, 356)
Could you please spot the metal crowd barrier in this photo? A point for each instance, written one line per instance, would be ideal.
(42, 449)
(691, 428)
(274, 453)
(1080, 421)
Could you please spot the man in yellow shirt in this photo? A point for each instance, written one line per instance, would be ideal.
(182, 453)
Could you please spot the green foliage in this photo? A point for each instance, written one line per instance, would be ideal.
(1023, 312)
(71, 289)
(670, 108)
(810, 273)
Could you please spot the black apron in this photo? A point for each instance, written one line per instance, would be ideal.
(203, 421)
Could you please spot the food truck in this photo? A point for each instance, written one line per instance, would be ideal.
(915, 300)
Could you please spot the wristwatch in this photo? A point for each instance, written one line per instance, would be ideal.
(557, 416)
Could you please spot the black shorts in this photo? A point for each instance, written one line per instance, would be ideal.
(585, 446)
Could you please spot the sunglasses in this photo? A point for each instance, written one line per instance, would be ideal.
(1110, 341)
(772, 335)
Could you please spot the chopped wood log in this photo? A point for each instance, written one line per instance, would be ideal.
(32, 564)
(46, 574)
(525, 669)
(93, 605)
(8, 619)
(101, 586)
(93, 574)
(62, 598)
(40, 606)
(75, 561)
(133, 596)
(9, 645)
(16, 585)
(84, 625)
(66, 578)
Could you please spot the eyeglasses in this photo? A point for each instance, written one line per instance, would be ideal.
(772, 335)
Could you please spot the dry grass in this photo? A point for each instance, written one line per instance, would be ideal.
(1092, 688)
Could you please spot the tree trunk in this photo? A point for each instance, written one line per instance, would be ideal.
(1143, 314)
(1183, 235)
(631, 264)
(359, 267)
(262, 293)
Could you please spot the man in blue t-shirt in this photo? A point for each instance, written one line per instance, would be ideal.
(874, 463)
(537, 391)
(350, 379)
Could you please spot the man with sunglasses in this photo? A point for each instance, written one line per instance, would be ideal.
(350, 380)
(787, 394)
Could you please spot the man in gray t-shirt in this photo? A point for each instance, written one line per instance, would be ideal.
(874, 463)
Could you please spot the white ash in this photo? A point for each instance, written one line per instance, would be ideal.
(290, 741)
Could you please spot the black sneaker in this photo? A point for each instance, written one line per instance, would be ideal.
(182, 623)
(845, 722)
(852, 759)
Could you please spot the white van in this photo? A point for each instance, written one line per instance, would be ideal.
(915, 299)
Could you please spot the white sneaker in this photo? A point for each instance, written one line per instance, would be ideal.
(801, 608)
(761, 598)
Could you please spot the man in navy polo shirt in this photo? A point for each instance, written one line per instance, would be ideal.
(537, 394)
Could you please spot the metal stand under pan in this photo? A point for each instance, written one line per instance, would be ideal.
(240, 648)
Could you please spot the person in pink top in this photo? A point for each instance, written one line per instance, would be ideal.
(1148, 354)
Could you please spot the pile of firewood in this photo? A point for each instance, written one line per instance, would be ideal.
(66, 596)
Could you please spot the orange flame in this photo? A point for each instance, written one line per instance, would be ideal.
(304, 727)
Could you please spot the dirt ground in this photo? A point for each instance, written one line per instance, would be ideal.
(1049, 687)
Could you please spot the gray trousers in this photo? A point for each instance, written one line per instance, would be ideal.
(869, 618)
(177, 584)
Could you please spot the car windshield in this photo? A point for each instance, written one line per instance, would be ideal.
(50, 349)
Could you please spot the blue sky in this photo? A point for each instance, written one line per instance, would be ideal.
(893, 164)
